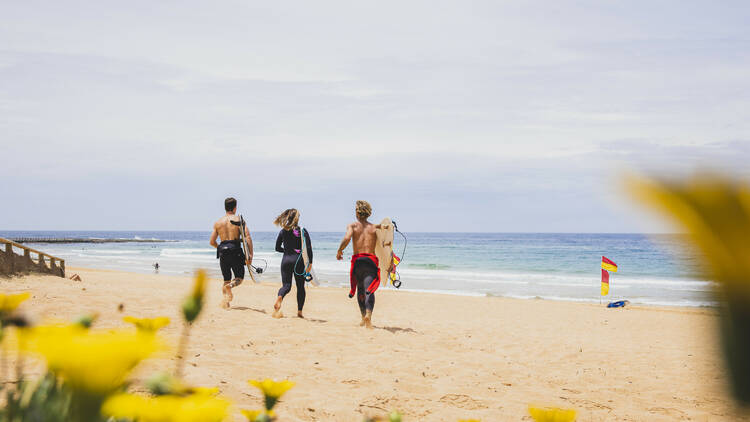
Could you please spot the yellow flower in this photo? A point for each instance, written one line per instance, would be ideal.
(199, 287)
(193, 304)
(168, 408)
(272, 390)
(552, 414)
(716, 214)
(715, 211)
(206, 391)
(147, 325)
(166, 384)
(90, 361)
(9, 303)
(256, 415)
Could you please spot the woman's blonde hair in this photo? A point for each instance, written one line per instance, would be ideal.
(288, 219)
(364, 209)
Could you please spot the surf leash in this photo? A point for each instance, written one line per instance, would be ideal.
(306, 271)
(396, 277)
(258, 269)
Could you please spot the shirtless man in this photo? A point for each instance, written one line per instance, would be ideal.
(229, 251)
(364, 275)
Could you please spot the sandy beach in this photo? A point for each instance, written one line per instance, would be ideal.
(432, 357)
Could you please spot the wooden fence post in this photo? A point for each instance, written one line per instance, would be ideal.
(13, 263)
(10, 256)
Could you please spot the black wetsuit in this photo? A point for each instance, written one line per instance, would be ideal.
(231, 259)
(290, 244)
(365, 271)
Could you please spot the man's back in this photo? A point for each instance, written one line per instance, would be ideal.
(225, 228)
(364, 237)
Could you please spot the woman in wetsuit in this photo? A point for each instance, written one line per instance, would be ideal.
(289, 243)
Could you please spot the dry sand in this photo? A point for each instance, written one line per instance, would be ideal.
(432, 357)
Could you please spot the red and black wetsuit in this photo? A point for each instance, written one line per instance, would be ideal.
(364, 277)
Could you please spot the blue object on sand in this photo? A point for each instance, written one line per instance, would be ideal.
(618, 304)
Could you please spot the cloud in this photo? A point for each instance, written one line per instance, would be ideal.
(481, 116)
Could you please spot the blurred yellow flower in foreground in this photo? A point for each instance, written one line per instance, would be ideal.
(552, 414)
(166, 384)
(199, 287)
(147, 325)
(9, 303)
(191, 408)
(272, 390)
(258, 415)
(94, 362)
(715, 211)
(193, 304)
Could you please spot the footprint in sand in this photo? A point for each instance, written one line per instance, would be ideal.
(462, 401)
(673, 413)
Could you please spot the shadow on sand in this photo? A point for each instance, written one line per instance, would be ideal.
(263, 311)
(245, 308)
(395, 330)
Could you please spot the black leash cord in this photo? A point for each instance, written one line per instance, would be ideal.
(258, 269)
(403, 254)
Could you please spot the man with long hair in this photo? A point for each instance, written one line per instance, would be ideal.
(364, 274)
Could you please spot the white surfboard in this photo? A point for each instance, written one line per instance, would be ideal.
(250, 269)
(384, 250)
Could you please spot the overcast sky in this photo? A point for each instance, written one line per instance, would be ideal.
(447, 116)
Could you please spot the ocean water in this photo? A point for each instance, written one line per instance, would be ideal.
(653, 270)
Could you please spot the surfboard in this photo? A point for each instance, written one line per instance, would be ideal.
(250, 269)
(384, 250)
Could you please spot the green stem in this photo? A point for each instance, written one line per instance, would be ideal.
(85, 407)
(182, 349)
(3, 367)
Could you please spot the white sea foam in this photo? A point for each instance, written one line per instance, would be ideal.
(423, 277)
(112, 251)
(185, 251)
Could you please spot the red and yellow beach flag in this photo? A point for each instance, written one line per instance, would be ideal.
(605, 283)
(608, 264)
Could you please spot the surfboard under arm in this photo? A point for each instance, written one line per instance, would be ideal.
(246, 249)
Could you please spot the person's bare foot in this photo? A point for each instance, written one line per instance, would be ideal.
(277, 308)
(367, 320)
(299, 315)
(228, 296)
(362, 323)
